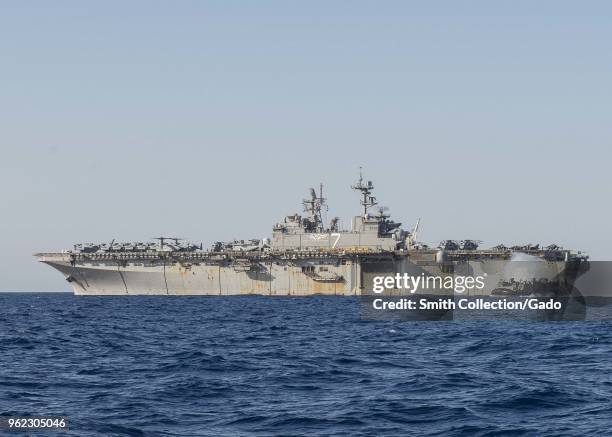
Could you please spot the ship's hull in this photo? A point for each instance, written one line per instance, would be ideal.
(303, 276)
(214, 280)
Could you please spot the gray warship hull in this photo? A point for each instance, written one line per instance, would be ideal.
(286, 274)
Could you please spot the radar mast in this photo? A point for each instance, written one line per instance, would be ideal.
(368, 200)
(314, 206)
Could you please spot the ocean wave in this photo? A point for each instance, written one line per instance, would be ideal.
(284, 366)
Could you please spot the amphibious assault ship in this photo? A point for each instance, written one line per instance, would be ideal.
(304, 257)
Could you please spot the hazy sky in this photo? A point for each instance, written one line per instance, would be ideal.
(209, 120)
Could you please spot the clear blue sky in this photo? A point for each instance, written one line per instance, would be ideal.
(210, 120)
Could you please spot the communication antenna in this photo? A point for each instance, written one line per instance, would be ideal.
(314, 206)
(367, 200)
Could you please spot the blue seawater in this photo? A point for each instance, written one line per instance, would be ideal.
(231, 366)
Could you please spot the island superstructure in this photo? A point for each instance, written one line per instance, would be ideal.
(305, 256)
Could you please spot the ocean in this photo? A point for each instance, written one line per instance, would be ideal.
(233, 366)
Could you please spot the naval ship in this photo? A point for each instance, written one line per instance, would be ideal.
(305, 256)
